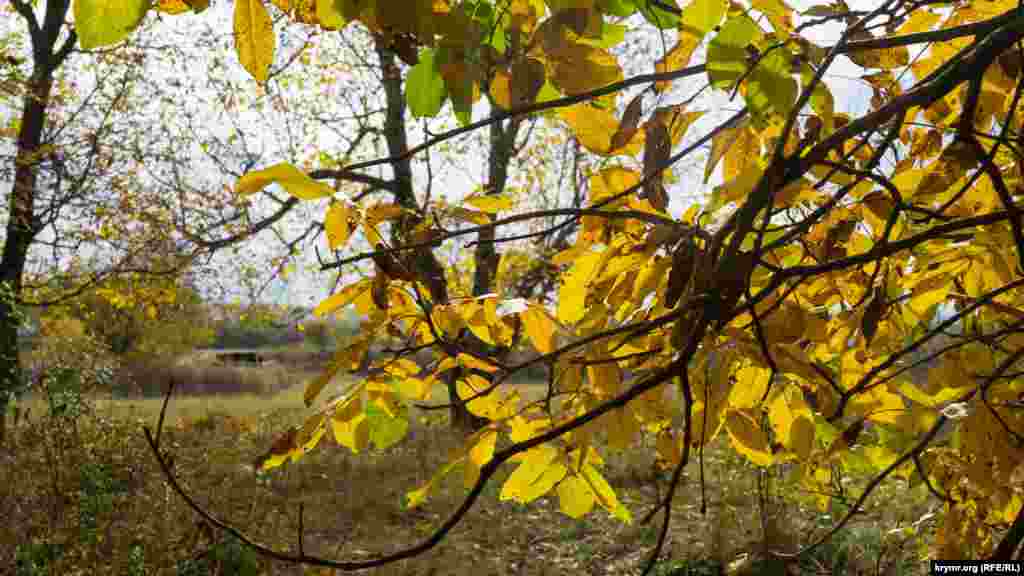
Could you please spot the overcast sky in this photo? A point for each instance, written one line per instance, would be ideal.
(242, 124)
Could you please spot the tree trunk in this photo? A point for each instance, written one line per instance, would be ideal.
(10, 367)
(425, 262)
(22, 225)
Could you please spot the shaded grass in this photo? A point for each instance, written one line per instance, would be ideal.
(353, 502)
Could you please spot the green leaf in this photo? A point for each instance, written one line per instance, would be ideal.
(385, 429)
(659, 17)
(424, 89)
(330, 14)
(621, 8)
(771, 88)
(701, 16)
(105, 22)
(727, 53)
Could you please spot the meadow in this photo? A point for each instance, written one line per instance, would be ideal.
(83, 495)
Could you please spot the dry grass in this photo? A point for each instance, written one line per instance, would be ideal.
(353, 502)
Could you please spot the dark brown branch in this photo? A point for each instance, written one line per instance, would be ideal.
(350, 176)
(25, 10)
(267, 222)
(524, 217)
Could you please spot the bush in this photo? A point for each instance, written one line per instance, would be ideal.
(96, 492)
(228, 557)
(34, 559)
(68, 364)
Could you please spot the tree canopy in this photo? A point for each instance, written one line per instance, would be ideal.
(841, 253)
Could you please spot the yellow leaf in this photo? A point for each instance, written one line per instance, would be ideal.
(540, 328)
(779, 14)
(702, 16)
(254, 38)
(880, 457)
(744, 149)
(720, 144)
(343, 298)
(648, 278)
(751, 386)
(945, 393)
(466, 215)
(883, 58)
(747, 438)
(336, 224)
(382, 211)
(737, 189)
(525, 428)
(415, 388)
(418, 496)
(448, 321)
(580, 68)
(353, 434)
(329, 14)
(535, 461)
(471, 363)
(552, 475)
(501, 89)
(677, 120)
(606, 494)
(575, 497)
(486, 405)
(594, 128)
(293, 180)
(105, 22)
(925, 296)
(628, 125)
(572, 295)
(490, 204)
(920, 21)
(955, 160)
(476, 321)
(801, 437)
(611, 182)
(479, 455)
(172, 6)
(676, 58)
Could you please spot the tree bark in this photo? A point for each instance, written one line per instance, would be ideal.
(426, 263)
(22, 225)
(486, 257)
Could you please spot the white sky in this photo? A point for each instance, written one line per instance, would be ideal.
(280, 127)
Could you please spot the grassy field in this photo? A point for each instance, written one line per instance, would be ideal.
(85, 497)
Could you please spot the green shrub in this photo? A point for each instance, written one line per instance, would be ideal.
(229, 557)
(35, 559)
(698, 567)
(137, 561)
(96, 491)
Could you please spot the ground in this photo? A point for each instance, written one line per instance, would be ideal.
(97, 495)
